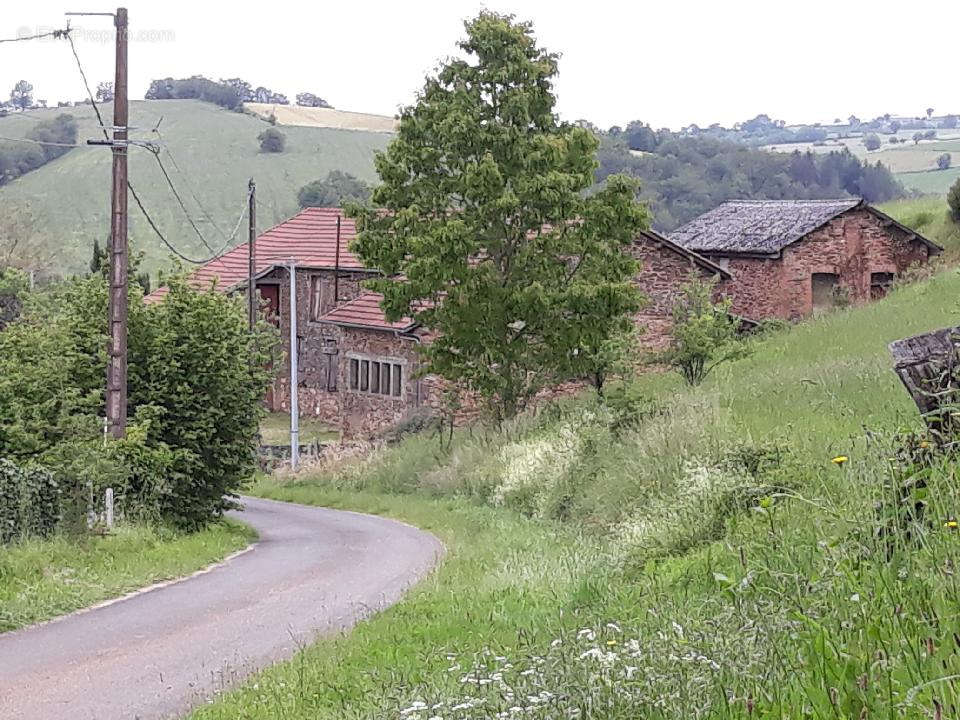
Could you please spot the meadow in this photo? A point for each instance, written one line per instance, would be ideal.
(778, 542)
(214, 153)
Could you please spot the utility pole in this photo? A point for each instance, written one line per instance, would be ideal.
(252, 252)
(294, 372)
(117, 361)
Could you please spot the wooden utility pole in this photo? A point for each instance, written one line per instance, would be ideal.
(252, 253)
(117, 361)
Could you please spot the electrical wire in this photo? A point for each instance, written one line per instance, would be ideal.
(186, 180)
(53, 33)
(170, 246)
(180, 202)
(86, 85)
(40, 142)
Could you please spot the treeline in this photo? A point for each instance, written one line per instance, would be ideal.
(684, 176)
(19, 158)
(230, 93)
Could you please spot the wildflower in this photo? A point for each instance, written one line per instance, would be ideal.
(924, 444)
(951, 524)
(840, 460)
(611, 642)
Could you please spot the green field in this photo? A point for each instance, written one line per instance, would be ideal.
(692, 553)
(217, 151)
(914, 165)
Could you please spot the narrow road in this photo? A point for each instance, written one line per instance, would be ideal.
(162, 652)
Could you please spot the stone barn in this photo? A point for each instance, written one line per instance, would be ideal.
(788, 258)
(356, 370)
(664, 267)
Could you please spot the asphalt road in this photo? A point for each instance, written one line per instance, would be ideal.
(161, 652)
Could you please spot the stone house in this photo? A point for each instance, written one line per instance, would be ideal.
(357, 371)
(788, 258)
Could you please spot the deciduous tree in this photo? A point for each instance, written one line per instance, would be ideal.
(483, 230)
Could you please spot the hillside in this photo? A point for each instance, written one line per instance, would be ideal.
(216, 149)
(699, 550)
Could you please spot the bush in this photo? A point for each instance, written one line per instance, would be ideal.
(871, 141)
(29, 501)
(704, 333)
(943, 162)
(272, 141)
(337, 188)
(196, 382)
(953, 201)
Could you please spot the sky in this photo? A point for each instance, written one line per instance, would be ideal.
(667, 63)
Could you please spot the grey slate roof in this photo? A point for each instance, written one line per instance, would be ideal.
(762, 227)
(705, 263)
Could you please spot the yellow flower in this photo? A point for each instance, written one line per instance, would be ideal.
(839, 459)
(924, 444)
(952, 524)
(614, 642)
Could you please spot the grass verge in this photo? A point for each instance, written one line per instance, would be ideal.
(690, 553)
(42, 579)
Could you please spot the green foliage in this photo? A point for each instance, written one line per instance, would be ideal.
(223, 94)
(272, 141)
(871, 141)
(196, 381)
(338, 187)
(704, 333)
(29, 501)
(98, 258)
(22, 95)
(953, 201)
(615, 354)
(685, 175)
(943, 161)
(195, 364)
(502, 255)
(17, 159)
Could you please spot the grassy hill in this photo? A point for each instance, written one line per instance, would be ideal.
(691, 553)
(217, 151)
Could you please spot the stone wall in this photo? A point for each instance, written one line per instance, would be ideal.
(663, 272)
(852, 246)
(319, 343)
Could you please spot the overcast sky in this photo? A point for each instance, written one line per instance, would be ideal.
(668, 63)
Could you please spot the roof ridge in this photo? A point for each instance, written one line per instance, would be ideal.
(811, 201)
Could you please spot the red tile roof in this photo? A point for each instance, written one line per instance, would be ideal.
(365, 311)
(309, 237)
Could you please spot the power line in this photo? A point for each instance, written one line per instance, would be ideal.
(40, 142)
(190, 187)
(180, 202)
(53, 33)
(86, 84)
(170, 246)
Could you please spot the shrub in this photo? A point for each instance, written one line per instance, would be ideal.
(196, 381)
(871, 141)
(953, 201)
(943, 162)
(29, 501)
(272, 141)
(704, 333)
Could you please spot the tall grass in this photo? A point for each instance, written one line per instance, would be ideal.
(702, 558)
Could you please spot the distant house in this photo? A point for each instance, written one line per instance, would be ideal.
(788, 258)
(357, 371)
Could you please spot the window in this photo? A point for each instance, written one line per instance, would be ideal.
(824, 289)
(880, 284)
(377, 377)
(316, 297)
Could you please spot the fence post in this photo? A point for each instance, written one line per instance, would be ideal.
(108, 505)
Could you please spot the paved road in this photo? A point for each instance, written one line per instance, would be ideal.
(159, 653)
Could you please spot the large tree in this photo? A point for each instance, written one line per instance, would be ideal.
(483, 229)
(22, 95)
(337, 188)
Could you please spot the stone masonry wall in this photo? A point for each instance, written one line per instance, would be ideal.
(663, 272)
(852, 246)
(317, 341)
